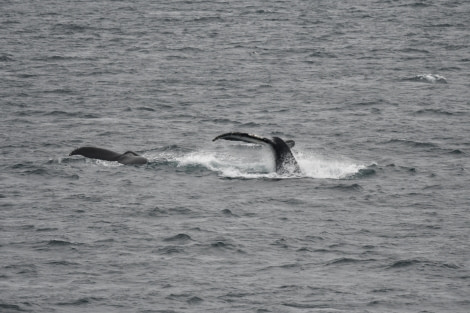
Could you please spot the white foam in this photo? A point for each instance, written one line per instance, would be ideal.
(432, 78)
(107, 163)
(206, 159)
(316, 166)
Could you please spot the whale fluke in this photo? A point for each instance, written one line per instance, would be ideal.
(284, 159)
(128, 157)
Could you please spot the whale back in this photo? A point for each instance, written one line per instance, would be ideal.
(96, 153)
(129, 157)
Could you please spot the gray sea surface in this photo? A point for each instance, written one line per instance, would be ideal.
(374, 93)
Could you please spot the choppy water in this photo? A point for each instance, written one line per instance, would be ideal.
(375, 94)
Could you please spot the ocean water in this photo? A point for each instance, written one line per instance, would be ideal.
(375, 94)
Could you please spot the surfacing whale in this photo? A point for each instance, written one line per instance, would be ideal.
(283, 157)
(128, 157)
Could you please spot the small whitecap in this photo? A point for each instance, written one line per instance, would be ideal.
(429, 78)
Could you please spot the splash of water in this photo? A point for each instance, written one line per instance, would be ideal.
(262, 166)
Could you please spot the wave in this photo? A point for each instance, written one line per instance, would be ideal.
(422, 263)
(344, 260)
(79, 302)
(412, 143)
(179, 237)
(433, 112)
(346, 187)
(6, 58)
(11, 307)
(70, 28)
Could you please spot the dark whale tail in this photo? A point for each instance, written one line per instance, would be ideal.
(128, 157)
(284, 159)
